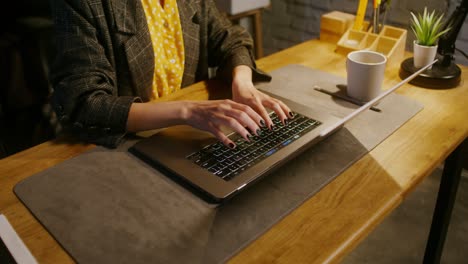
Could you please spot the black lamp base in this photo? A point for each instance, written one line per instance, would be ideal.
(438, 77)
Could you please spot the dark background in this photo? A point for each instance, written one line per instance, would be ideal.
(26, 48)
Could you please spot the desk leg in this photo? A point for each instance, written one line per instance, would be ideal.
(445, 201)
(258, 35)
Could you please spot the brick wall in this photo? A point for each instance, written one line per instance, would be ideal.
(289, 22)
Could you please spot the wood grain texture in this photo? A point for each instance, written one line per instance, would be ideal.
(332, 222)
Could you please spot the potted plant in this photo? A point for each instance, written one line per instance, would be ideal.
(427, 28)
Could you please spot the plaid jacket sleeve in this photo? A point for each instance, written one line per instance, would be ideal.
(85, 95)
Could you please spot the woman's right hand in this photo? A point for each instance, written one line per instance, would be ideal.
(212, 115)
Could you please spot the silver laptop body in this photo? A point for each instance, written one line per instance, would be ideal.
(171, 150)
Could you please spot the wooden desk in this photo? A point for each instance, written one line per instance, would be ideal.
(330, 224)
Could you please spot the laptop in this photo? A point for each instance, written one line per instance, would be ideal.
(198, 161)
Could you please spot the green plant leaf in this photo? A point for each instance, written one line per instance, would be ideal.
(427, 27)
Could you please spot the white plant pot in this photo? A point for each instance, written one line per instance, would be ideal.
(423, 55)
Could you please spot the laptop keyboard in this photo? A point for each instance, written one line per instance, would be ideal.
(227, 163)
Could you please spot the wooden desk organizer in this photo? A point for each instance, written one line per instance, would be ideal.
(390, 41)
(334, 24)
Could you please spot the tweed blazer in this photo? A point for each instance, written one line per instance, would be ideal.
(105, 60)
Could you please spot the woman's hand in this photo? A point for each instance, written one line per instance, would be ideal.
(245, 114)
(244, 92)
(212, 115)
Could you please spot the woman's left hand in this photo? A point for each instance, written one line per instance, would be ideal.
(244, 91)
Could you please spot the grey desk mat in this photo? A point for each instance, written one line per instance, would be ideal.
(107, 206)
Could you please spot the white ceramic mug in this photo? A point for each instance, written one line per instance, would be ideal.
(365, 74)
